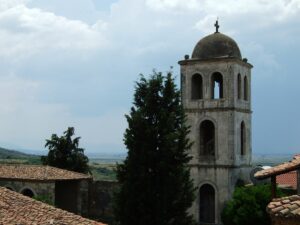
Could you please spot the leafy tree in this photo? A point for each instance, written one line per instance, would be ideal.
(248, 206)
(155, 184)
(64, 153)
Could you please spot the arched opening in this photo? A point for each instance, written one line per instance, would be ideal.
(245, 89)
(197, 87)
(207, 204)
(27, 192)
(243, 138)
(239, 86)
(9, 188)
(207, 138)
(216, 86)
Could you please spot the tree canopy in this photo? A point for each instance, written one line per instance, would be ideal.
(248, 206)
(155, 183)
(64, 152)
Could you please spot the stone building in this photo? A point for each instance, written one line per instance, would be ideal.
(64, 189)
(19, 209)
(216, 96)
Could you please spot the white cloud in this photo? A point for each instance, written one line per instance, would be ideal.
(6, 4)
(162, 5)
(269, 9)
(267, 61)
(27, 122)
(228, 6)
(16, 93)
(132, 36)
(205, 24)
(25, 31)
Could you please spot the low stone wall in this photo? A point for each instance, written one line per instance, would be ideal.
(94, 198)
(40, 189)
(101, 197)
(83, 198)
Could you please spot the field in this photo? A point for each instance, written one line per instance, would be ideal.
(104, 168)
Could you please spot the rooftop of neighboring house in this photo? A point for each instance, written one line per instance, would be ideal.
(286, 207)
(38, 173)
(285, 167)
(16, 208)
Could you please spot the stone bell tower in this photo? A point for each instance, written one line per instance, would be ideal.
(216, 95)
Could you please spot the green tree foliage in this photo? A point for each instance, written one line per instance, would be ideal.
(64, 153)
(43, 198)
(248, 206)
(155, 179)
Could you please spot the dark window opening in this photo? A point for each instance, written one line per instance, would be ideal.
(197, 87)
(207, 204)
(27, 192)
(245, 89)
(243, 138)
(239, 86)
(207, 138)
(217, 86)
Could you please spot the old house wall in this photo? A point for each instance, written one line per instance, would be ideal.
(83, 197)
(70, 195)
(101, 200)
(39, 188)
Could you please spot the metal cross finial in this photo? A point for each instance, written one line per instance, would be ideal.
(217, 26)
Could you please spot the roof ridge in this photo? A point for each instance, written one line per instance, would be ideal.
(39, 172)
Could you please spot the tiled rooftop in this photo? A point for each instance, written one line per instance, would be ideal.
(287, 179)
(288, 207)
(37, 172)
(286, 167)
(19, 209)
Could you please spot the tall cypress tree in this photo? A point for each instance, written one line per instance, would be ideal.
(156, 188)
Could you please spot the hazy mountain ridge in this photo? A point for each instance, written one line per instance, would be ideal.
(13, 154)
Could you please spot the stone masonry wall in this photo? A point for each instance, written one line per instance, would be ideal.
(101, 197)
(83, 197)
(39, 188)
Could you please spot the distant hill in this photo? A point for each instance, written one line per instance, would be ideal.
(13, 154)
(271, 159)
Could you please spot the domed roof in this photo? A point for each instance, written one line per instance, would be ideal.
(216, 45)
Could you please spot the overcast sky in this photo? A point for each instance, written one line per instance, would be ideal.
(74, 63)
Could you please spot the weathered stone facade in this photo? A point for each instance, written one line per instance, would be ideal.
(101, 200)
(220, 125)
(19, 209)
(71, 195)
(65, 189)
(44, 189)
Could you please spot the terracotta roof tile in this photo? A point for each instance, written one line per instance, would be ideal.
(285, 207)
(286, 167)
(37, 172)
(19, 209)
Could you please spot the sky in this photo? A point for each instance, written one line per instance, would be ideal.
(75, 63)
